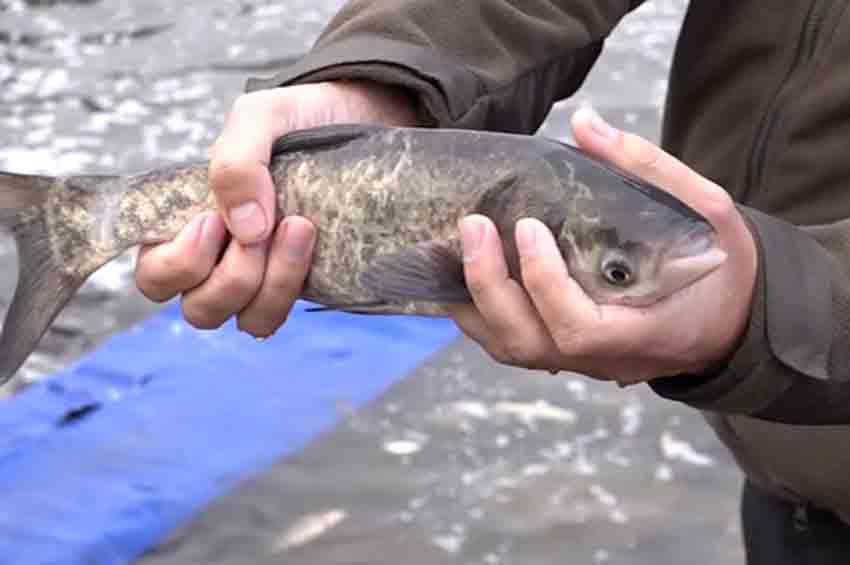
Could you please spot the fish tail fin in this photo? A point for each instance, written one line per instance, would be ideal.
(44, 285)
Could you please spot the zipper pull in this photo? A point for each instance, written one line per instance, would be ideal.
(800, 518)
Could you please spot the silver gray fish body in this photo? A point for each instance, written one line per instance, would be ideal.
(386, 202)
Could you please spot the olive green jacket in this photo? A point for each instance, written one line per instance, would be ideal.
(759, 102)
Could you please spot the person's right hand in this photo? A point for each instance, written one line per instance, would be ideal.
(257, 274)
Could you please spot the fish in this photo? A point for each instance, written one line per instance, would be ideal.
(386, 202)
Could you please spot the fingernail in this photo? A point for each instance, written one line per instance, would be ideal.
(526, 236)
(599, 126)
(210, 241)
(471, 236)
(248, 221)
(296, 242)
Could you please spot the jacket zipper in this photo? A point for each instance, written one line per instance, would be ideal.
(805, 51)
(800, 518)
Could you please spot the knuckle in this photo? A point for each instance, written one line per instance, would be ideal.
(162, 281)
(147, 283)
(258, 326)
(226, 172)
(543, 277)
(200, 317)
(178, 272)
(154, 293)
(535, 277)
(237, 283)
(522, 351)
(501, 356)
(245, 102)
(494, 350)
(287, 281)
(718, 207)
(571, 343)
(477, 286)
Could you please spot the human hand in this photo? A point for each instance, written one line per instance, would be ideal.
(552, 324)
(257, 274)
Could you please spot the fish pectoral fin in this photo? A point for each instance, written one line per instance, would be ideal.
(427, 272)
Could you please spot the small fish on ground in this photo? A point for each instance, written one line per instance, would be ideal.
(386, 202)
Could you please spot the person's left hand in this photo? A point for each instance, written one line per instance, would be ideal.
(552, 324)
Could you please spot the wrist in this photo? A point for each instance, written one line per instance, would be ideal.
(378, 102)
(734, 330)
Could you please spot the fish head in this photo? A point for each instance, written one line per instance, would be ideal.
(633, 244)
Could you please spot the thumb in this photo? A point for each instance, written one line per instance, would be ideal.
(645, 160)
(239, 176)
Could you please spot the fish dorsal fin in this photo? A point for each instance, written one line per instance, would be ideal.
(322, 137)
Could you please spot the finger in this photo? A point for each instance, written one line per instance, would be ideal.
(502, 302)
(164, 270)
(647, 161)
(590, 336)
(571, 317)
(232, 285)
(472, 324)
(238, 172)
(288, 265)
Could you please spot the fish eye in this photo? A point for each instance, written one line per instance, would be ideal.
(617, 272)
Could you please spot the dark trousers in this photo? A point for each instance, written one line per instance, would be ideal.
(779, 533)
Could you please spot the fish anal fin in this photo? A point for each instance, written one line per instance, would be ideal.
(352, 308)
(426, 272)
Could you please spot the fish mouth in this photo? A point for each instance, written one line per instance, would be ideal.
(695, 242)
(694, 256)
(688, 270)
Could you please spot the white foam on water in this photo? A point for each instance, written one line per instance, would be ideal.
(578, 389)
(472, 409)
(54, 82)
(605, 497)
(502, 441)
(308, 528)
(402, 447)
(450, 543)
(680, 450)
(535, 470)
(663, 473)
(530, 413)
(631, 418)
(38, 136)
(618, 516)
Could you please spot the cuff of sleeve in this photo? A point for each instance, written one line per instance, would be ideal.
(391, 62)
(789, 329)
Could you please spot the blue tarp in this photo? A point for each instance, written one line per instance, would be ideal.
(102, 461)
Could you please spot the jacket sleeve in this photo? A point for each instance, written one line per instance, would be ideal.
(501, 65)
(478, 64)
(793, 363)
